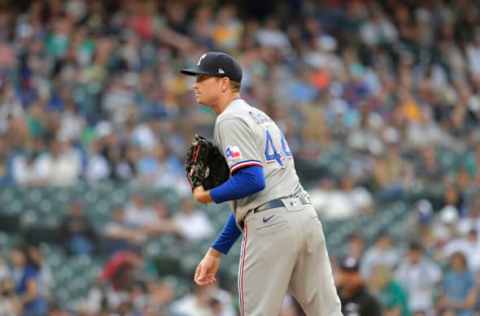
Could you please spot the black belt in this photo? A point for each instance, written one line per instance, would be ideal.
(276, 203)
(266, 206)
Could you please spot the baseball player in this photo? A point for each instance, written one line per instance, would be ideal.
(283, 248)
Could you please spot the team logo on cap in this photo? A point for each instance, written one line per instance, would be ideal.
(201, 58)
(221, 71)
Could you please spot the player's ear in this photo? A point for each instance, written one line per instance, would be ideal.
(226, 82)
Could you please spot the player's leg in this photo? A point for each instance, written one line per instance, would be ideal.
(267, 260)
(312, 281)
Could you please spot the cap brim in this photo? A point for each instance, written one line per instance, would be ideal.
(194, 72)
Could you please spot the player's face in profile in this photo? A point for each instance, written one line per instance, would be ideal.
(206, 89)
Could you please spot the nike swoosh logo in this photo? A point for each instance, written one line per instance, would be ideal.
(267, 219)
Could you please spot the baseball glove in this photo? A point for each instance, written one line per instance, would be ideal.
(205, 164)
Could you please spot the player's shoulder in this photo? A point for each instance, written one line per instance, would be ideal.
(236, 108)
(241, 111)
(236, 111)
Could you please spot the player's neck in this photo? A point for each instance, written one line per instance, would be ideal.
(224, 102)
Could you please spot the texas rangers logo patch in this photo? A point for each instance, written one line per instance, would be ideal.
(233, 153)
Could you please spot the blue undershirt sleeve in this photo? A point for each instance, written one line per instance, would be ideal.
(242, 183)
(228, 236)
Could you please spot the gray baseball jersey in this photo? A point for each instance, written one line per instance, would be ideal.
(283, 248)
(248, 137)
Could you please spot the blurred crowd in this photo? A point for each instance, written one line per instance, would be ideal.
(90, 91)
(125, 287)
(433, 271)
(129, 282)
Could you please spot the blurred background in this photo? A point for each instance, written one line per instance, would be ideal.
(379, 100)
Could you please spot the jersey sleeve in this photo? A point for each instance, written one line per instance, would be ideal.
(238, 144)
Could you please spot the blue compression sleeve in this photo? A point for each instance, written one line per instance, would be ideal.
(242, 183)
(228, 236)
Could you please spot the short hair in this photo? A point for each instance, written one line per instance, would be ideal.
(461, 256)
(235, 86)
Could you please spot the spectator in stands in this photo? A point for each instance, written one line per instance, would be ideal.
(199, 303)
(76, 232)
(97, 165)
(150, 220)
(45, 277)
(383, 252)
(418, 276)
(120, 274)
(468, 245)
(472, 220)
(192, 224)
(392, 296)
(343, 200)
(224, 304)
(166, 224)
(138, 214)
(204, 302)
(354, 295)
(120, 236)
(27, 287)
(9, 302)
(356, 246)
(453, 197)
(137, 297)
(170, 172)
(119, 288)
(378, 29)
(458, 291)
(152, 165)
(96, 300)
(445, 225)
(392, 172)
(359, 197)
(120, 156)
(420, 226)
(160, 295)
(61, 165)
(26, 168)
(428, 167)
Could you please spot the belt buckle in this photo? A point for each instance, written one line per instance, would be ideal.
(293, 203)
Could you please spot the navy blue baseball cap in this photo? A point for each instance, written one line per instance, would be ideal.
(216, 64)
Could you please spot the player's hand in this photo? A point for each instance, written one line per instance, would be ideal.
(207, 268)
(201, 195)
